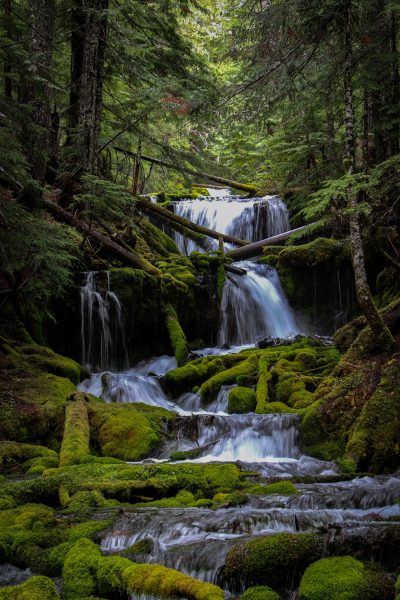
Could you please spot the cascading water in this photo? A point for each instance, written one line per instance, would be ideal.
(254, 306)
(249, 219)
(197, 540)
(102, 334)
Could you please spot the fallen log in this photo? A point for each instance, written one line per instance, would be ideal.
(156, 209)
(112, 248)
(250, 189)
(256, 248)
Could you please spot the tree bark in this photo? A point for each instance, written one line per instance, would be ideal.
(7, 63)
(112, 248)
(250, 189)
(382, 334)
(88, 45)
(162, 212)
(42, 17)
(256, 248)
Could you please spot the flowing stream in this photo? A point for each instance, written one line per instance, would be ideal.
(196, 540)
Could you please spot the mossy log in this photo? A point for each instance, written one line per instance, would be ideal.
(176, 335)
(251, 250)
(166, 214)
(237, 185)
(110, 246)
(75, 444)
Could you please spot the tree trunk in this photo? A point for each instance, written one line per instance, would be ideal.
(256, 248)
(383, 336)
(112, 248)
(7, 62)
(394, 88)
(42, 17)
(162, 212)
(88, 45)
(77, 46)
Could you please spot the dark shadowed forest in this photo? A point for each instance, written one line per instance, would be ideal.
(199, 299)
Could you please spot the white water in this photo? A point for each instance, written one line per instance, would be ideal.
(254, 306)
(196, 540)
(102, 334)
(249, 219)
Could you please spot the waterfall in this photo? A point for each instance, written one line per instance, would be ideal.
(254, 307)
(102, 334)
(250, 219)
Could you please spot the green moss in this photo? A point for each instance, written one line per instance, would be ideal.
(196, 372)
(57, 556)
(79, 570)
(35, 588)
(241, 400)
(87, 529)
(46, 360)
(27, 453)
(110, 576)
(283, 488)
(273, 560)
(75, 444)
(127, 431)
(161, 581)
(277, 408)
(375, 437)
(232, 499)
(344, 578)
(262, 389)
(141, 547)
(316, 252)
(209, 389)
(260, 592)
(183, 498)
(176, 335)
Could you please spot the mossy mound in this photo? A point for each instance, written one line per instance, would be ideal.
(26, 454)
(283, 488)
(75, 444)
(35, 588)
(273, 560)
(127, 431)
(320, 250)
(241, 400)
(344, 578)
(260, 592)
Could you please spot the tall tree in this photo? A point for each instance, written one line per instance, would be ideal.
(383, 336)
(88, 45)
(39, 91)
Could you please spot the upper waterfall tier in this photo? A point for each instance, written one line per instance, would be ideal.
(249, 219)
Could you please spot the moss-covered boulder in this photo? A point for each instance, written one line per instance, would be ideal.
(127, 431)
(344, 578)
(35, 588)
(273, 560)
(241, 400)
(260, 592)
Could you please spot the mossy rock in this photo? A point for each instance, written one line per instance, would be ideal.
(283, 488)
(344, 578)
(127, 431)
(35, 588)
(273, 560)
(46, 360)
(79, 570)
(260, 592)
(241, 400)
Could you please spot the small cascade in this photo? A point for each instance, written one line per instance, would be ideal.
(248, 438)
(102, 333)
(254, 307)
(135, 385)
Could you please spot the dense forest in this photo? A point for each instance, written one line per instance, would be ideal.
(200, 299)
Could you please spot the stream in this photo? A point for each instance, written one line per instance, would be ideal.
(349, 514)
